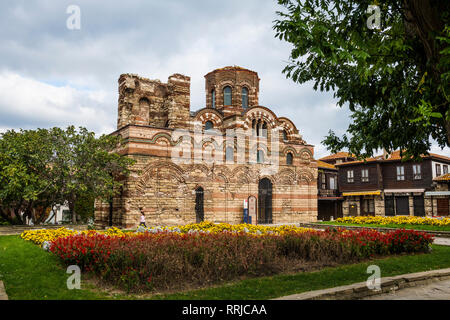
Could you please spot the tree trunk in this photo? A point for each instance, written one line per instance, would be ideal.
(42, 215)
(33, 216)
(72, 211)
(28, 211)
(16, 212)
(423, 20)
(6, 216)
(447, 127)
(52, 215)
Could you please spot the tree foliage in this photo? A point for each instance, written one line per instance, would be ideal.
(44, 167)
(394, 77)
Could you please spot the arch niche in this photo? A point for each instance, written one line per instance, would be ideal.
(199, 206)
(265, 201)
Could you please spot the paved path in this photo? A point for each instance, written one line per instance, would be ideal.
(438, 290)
(442, 241)
(3, 295)
(18, 229)
(426, 285)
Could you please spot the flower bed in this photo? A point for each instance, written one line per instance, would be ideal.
(211, 227)
(398, 220)
(167, 259)
(42, 236)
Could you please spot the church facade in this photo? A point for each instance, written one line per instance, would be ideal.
(203, 165)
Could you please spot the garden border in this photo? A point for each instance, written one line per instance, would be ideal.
(443, 234)
(360, 290)
(18, 229)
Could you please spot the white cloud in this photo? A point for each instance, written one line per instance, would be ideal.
(28, 103)
(51, 76)
(435, 149)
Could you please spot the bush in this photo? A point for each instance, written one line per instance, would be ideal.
(169, 259)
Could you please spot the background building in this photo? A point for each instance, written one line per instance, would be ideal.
(329, 200)
(387, 186)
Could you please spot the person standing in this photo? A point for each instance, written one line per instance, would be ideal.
(142, 223)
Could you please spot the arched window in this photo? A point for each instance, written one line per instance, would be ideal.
(285, 135)
(264, 129)
(244, 98)
(208, 125)
(253, 127)
(289, 158)
(213, 98)
(260, 156)
(144, 102)
(229, 155)
(227, 96)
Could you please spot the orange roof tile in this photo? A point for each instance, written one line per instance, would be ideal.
(395, 156)
(322, 164)
(338, 156)
(439, 156)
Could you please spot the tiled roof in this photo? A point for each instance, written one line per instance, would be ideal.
(444, 177)
(237, 68)
(395, 156)
(325, 165)
(438, 156)
(338, 155)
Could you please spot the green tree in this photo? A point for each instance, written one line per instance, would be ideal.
(41, 168)
(85, 206)
(394, 77)
(26, 183)
(88, 166)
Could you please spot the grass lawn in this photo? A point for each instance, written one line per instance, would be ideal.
(403, 226)
(29, 272)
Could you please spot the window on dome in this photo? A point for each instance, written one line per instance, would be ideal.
(213, 98)
(227, 96)
(244, 98)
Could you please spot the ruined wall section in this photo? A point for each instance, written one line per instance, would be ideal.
(179, 102)
(150, 102)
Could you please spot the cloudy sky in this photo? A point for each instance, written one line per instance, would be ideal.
(53, 76)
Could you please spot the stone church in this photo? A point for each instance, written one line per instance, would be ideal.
(203, 165)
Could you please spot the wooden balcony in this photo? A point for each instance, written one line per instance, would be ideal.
(328, 193)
